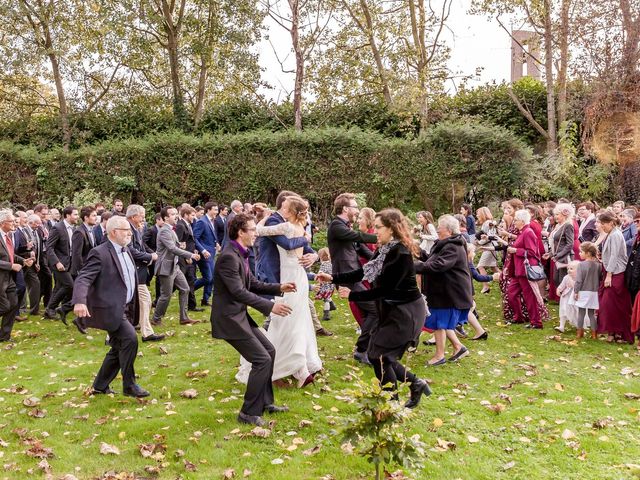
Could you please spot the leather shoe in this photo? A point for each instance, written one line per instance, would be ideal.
(323, 332)
(204, 303)
(275, 409)
(188, 321)
(135, 391)
(106, 391)
(196, 309)
(418, 388)
(483, 336)
(20, 318)
(80, 325)
(154, 337)
(252, 419)
(463, 352)
(361, 357)
(62, 315)
(50, 314)
(156, 323)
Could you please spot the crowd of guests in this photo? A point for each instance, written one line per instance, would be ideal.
(400, 279)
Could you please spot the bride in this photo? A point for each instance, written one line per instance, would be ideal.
(292, 336)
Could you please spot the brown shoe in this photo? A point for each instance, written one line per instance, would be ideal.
(188, 321)
(20, 319)
(323, 332)
(594, 334)
(580, 333)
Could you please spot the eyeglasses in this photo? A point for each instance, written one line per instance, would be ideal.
(123, 229)
(352, 206)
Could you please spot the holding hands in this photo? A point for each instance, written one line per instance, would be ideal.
(288, 287)
(324, 277)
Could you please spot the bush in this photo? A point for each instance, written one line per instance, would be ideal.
(483, 161)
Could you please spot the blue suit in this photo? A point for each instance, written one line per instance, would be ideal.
(205, 237)
(268, 259)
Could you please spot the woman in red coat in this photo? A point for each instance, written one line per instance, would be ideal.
(526, 245)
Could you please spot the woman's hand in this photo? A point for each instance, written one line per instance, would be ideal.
(344, 292)
(607, 280)
(287, 287)
(496, 276)
(546, 256)
(512, 250)
(324, 277)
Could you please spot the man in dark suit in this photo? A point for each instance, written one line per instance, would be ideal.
(184, 232)
(587, 231)
(44, 272)
(149, 238)
(221, 225)
(235, 288)
(100, 230)
(22, 249)
(144, 257)
(204, 234)
(345, 248)
(59, 245)
(32, 274)
(10, 264)
(168, 271)
(105, 294)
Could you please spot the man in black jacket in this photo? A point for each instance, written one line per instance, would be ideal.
(59, 246)
(184, 232)
(235, 288)
(345, 248)
(150, 238)
(82, 241)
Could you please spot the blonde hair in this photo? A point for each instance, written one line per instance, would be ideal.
(484, 214)
(324, 255)
(573, 265)
(299, 208)
(369, 214)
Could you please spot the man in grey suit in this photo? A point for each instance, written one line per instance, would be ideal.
(167, 270)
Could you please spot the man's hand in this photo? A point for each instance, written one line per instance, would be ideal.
(80, 310)
(154, 257)
(16, 267)
(196, 256)
(308, 259)
(281, 309)
(28, 262)
(206, 255)
(218, 247)
(60, 267)
(496, 276)
(344, 292)
(324, 277)
(288, 287)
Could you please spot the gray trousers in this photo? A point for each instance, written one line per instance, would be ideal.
(167, 283)
(33, 288)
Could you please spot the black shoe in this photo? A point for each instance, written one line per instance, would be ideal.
(361, 357)
(153, 304)
(50, 314)
(460, 331)
(205, 303)
(196, 309)
(252, 419)
(275, 409)
(429, 342)
(154, 337)
(135, 391)
(80, 325)
(106, 391)
(484, 336)
(62, 315)
(332, 306)
(418, 388)
(323, 332)
(463, 352)
(326, 315)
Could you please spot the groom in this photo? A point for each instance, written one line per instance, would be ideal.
(234, 289)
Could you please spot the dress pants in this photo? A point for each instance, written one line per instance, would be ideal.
(189, 272)
(521, 286)
(260, 353)
(314, 316)
(44, 275)
(144, 305)
(124, 348)
(206, 281)
(21, 288)
(62, 292)
(8, 310)
(33, 288)
(369, 320)
(167, 283)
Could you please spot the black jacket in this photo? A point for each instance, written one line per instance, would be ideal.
(344, 246)
(141, 255)
(80, 249)
(150, 237)
(59, 247)
(446, 276)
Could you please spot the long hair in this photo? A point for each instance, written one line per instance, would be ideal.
(369, 214)
(484, 214)
(394, 219)
(298, 208)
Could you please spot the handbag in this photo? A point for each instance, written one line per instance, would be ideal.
(535, 273)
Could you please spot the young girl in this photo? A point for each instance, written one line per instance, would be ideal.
(326, 290)
(481, 333)
(585, 290)
(568, 311)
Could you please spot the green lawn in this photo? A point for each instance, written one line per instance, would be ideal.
(565, 412)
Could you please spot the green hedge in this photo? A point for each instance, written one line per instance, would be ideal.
(452, 160)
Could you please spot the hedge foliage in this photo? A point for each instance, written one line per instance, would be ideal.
(172, 167)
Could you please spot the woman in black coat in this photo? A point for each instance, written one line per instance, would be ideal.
(448, 288)
(400, 305)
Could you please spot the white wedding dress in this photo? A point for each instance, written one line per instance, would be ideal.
(292, 336)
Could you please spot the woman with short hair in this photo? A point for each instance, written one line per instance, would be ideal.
(561, 241)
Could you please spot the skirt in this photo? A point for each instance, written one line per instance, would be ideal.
(488, 259)
(614, 315)
(446, 318)
(585, 300)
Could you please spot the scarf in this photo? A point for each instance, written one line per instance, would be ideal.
(373, 268)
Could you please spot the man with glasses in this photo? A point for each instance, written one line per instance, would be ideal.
(345, 248)
(105, 294)
(587, 231)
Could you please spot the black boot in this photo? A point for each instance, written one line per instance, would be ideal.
(332, 306)
(326, 315)
(418, 388)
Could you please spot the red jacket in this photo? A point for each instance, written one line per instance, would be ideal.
(526, 242)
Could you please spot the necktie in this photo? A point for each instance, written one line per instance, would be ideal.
(92, 240)
(9, 246)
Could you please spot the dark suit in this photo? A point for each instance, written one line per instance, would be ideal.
(99, 235)
(589, 232)
(235, 288)
(44, 274)
(184, 232)
(59, 250)
(221, 229)
(20, 242)
(204, 233)
(345, 247)
(149, 238)
(8, 297)
(101, 286)
(81, 245)
(31, 274)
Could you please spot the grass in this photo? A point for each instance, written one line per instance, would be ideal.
(562, 414)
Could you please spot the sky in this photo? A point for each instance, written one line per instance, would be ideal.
(475, 42)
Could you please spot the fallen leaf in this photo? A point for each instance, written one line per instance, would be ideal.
(472, 439)
(31, 402)
(106, 449)
(229, 473)
(559, 387)
(261, 432)
(444, 445)
(437, 423)
(189, 393)
(304, 423)
(189, 467)
(277, 461)
(509, 465)
(37, 413)
(568, 434)
(163, 350)
(632, 396)
(44, 466)
(38, 451)
(246, 472)
(347, 448)
(311, 451)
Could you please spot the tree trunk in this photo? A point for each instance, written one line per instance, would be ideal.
(552, 142)
(202, 83)
(376, 53)
(564, 62)
(172, 30)
(631, 47)
(299, 53)
(62, 101)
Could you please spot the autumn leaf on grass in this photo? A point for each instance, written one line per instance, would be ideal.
(31, 402)
(444, 445)
(197, 373)
(304, 423)
(261, 432)
(44, 466)
(37, 413)
(106, 449)
(312, 450)
(189, 393)
(154, 450)
(632, 396)
(228, 473)
(188, 466)
(38, 451)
